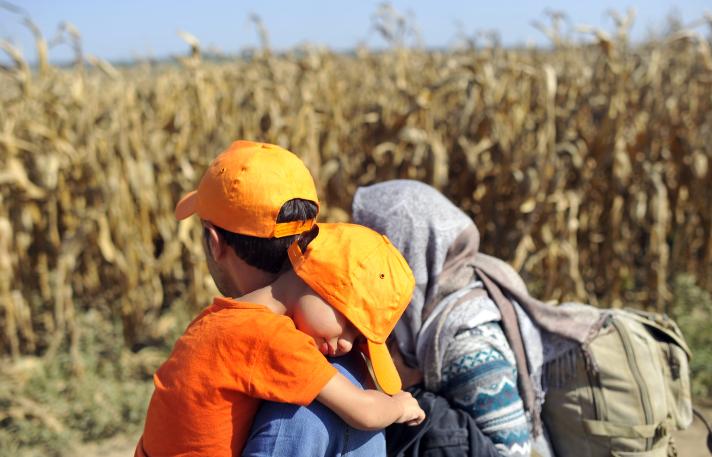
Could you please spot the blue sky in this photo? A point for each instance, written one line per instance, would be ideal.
(118, 30)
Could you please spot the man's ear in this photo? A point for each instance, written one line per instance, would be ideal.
(214, 241)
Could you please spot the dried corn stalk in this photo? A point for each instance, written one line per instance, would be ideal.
(587, 167)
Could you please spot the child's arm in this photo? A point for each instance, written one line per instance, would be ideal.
(369, 409)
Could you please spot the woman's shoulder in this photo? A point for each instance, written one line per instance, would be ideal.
(485, 332)
(484, 343)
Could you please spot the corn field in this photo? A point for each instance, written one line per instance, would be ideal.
(585, 166)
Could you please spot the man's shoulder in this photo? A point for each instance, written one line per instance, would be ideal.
(242, 322)
(230, 311)
(352, 366)
(255, 323)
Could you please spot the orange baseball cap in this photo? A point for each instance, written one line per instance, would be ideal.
(361, 274)
(245, 187)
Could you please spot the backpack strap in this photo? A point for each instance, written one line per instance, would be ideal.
(510, 326)
(697, 413)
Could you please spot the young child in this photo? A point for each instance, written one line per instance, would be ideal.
(348, 286)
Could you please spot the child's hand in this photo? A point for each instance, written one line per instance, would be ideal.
(412, 412)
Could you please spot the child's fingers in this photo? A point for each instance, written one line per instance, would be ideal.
(418, 418)
(324, 348)
(331, 346)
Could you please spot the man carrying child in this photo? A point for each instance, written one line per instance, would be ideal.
(346, 287)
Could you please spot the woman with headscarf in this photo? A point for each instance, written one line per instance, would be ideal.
(471, 329)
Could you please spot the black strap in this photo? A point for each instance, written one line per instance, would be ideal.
(697, 413)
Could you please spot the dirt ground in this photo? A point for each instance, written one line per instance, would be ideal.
(118, 446)
(690, 442)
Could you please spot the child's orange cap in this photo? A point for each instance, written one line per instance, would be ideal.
(245, 187)
(361, 274)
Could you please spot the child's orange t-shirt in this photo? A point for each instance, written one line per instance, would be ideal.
(230, 357)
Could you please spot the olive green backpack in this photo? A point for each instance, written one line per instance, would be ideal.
(629, 388)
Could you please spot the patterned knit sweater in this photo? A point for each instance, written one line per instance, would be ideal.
(480, 377)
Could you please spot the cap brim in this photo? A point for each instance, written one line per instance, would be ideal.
(186, 206)
(382, 369)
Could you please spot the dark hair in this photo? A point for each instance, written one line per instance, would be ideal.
(269, 254)
(307, 237)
